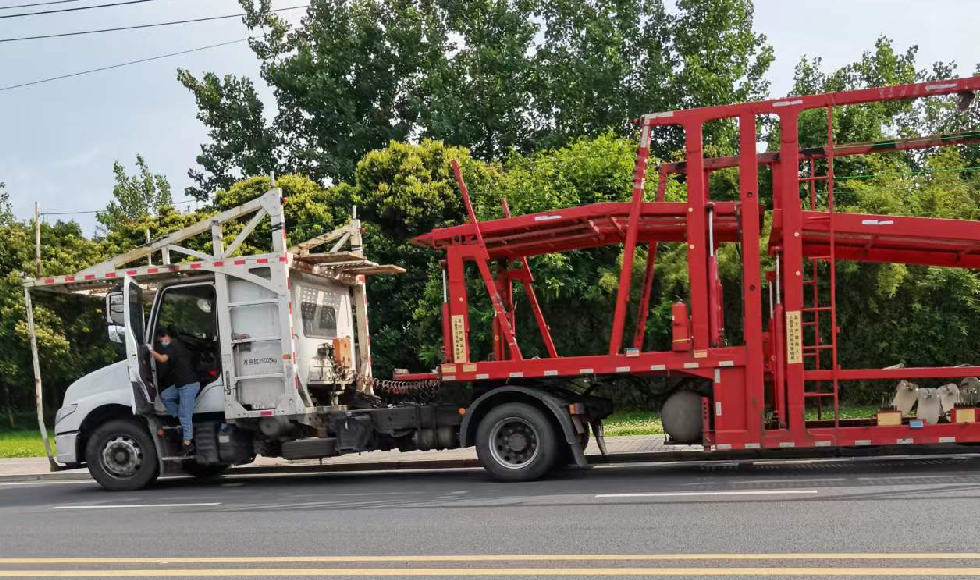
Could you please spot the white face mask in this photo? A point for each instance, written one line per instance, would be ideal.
(165, 341)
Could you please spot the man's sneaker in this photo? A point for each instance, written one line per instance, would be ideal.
(188, 449)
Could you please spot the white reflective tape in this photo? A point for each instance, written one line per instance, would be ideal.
(658, 367)
(787, 444)
(546, 218)
(691, 365)
(449, 378)
(877, 222)
(787, 103)
(947, 439)
(586, 371)
(904, 441)
(516, 375)
(723, 446)
(550, 373)
(863, 442)
(622, 369)
(726, 363)
(940, 87)
(753, 446)
(718, 408)
(717, 376)
(822, 444)
(482, 376)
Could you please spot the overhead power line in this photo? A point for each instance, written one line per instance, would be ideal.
(140, 26)
(74, 9)
(38, 4)
(120, 65)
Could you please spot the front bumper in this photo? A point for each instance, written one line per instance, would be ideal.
(66, 448)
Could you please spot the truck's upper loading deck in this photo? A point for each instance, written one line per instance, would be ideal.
(575, 228)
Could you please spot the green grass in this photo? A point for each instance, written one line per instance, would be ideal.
(22, 443)
(633, 423)
(648, 422)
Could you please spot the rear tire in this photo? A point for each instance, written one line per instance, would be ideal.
(121, 456)
(516, 442)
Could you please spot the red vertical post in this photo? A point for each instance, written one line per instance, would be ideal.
(696, 237)
(792, 267)
(643, 310)
(748, 179)
(629, 244)
(458, 323)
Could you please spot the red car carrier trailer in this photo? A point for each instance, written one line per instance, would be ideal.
(745, 394)
(750, 395)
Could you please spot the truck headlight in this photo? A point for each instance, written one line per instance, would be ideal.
(64, 412)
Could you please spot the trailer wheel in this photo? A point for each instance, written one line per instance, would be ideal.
(121, 456)
(516, 442)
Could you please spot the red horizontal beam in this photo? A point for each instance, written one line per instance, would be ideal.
(776, 106)
(842, 150)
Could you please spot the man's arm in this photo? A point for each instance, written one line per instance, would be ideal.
(160, 358)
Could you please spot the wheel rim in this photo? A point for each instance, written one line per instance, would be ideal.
(514, 443)
(122, 456)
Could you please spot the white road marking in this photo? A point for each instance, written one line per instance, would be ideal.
(787, 480)
(133, 505)
(40, 482)
(709, 493)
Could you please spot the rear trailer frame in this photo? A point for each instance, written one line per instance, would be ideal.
(756, 389)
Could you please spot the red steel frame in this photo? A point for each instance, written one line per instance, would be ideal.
(765, 374)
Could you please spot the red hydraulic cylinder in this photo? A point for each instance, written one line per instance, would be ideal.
(680, 326)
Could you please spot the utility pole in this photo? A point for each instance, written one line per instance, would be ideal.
(37, 238)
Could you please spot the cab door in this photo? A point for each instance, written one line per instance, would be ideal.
(137, 353)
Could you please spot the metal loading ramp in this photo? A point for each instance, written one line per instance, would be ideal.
(575, 228)
(885, 238)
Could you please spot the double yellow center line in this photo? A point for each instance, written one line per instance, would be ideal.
(94, 571)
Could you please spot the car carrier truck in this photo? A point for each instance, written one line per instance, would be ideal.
(284, 346)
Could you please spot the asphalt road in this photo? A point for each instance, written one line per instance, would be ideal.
(811, 519)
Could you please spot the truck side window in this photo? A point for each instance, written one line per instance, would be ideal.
(319, 320)
(190, 309)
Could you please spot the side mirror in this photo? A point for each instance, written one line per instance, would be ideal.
(117, 333)
(115, 312)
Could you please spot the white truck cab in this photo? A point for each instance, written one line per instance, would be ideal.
(275, 339)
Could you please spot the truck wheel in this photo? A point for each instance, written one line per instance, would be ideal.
(204, 471)
(516, 442)
(121, 456)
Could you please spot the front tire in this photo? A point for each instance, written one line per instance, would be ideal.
(516, 442)
(121, 456)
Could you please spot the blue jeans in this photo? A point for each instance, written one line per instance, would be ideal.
(179, 402)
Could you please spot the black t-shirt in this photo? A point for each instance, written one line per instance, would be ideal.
(179, 368)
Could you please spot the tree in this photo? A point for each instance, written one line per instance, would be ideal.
(348, 80)
(482, 96)
(241, 144)
(491, 75)
(135, 197)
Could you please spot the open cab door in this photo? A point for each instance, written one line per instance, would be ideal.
(137, 353)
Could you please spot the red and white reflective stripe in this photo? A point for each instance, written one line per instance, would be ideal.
(145, 270)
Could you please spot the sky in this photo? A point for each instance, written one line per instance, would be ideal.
(58, 140)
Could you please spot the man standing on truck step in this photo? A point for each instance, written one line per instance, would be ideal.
(182, 385)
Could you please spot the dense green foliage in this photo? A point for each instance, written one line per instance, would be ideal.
(374, 99)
